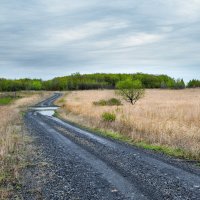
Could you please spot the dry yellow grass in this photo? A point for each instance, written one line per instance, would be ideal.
(162, 117)
(12, 139)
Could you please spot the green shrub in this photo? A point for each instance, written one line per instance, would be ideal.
(130, 90)
(108, 117)
(110, 102)
(114, 102)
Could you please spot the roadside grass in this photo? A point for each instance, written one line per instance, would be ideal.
(176, 152)
(7, 98)
(179, 153)
(167, 150)
(13, 141)
(164, 120)
(61, 101)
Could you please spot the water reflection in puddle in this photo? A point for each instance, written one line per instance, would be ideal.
(48, 111)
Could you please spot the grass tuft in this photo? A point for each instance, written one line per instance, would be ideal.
(108, 117)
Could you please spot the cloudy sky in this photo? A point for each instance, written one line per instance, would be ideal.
(48, 38)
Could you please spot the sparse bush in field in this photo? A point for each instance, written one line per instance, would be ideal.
(114, 102)
(110, 102)
(108, 117)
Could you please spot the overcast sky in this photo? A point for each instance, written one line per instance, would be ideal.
(48, 38)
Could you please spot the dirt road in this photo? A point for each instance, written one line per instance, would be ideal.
(83, 165)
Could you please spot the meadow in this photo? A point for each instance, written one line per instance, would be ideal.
(166, 120)
(13, 138)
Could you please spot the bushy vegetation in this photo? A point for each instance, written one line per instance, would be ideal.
(21, 84)
(130, 90)
(5, 100)
(90, 81)
(108, 117)
(109, 102)
(193, 83)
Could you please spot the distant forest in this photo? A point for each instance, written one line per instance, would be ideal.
(94, 81)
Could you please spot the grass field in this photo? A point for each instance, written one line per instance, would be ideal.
(166, 120)
(12, 140)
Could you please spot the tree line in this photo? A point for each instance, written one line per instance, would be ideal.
(79, 81)
(193, 83)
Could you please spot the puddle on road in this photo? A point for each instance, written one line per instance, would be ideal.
(48, 111)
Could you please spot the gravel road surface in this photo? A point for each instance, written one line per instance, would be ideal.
(77, 164)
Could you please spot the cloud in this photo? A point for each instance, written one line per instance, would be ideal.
(85, 31)
(63, 36)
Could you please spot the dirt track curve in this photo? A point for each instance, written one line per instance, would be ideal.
(83, 165)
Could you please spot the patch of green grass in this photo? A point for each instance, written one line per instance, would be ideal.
(164, 149)
(6, 100)
(113, 135)
(177, 152)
